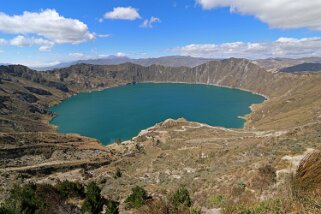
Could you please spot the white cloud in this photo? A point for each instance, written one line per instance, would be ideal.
(285, 14)
(45, 48)
(123, 13)
(3, 41)
(148, 23)
(47, 24)
(283, 47)
(103, 35)
(38, 64)
(22, 41)
(77, 55)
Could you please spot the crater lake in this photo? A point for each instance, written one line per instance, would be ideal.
(122, 112)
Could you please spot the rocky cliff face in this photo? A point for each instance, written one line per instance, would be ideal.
(238, 73)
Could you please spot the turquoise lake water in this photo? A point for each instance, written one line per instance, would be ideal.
(121, 112)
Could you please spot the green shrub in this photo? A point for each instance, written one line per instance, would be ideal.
(45, 198)
(138, 197)
(4, 210)
(181, 197)
(196, 210)
(94, 202)
(33, 198)
(22, 200)
(71, 189)
(118, 173)
(238, 189)
(112, 207)
(216, 200)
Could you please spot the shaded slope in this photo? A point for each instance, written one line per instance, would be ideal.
(304, 67)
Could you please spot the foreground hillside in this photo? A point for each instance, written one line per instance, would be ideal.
(220, 168)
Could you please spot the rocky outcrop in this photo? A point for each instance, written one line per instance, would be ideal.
(3, 99)
(38, 91)
(26, 97)
(59, 86)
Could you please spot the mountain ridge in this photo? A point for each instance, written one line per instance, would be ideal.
(173, 61)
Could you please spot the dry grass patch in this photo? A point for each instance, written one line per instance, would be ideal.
(307, 180)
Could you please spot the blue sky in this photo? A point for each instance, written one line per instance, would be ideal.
(206, 28)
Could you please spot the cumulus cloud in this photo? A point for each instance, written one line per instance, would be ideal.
(23, 41)
(48, 24)
(148, 23)
(283, 47)
(44, 29)
(123, 13)
(285, 14)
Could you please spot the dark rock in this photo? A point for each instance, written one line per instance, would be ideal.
(24, 72)
(35, 109)
(59, 86)
(26, 97)
(38, 91)
(3, 99)
(7, 139)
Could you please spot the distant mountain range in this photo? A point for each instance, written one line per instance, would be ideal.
(171, 61)
(307, 64)
(304, 67)
(281, 64)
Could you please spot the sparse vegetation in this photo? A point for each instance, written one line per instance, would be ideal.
(181, 198)
(140, 148)
(94, 202)
(45, 198)
(216, 200)
(112, 207)
(71, 189)
(155, 206)
(137, 198)
(265, 177)
(238, 189)
(305, 189)
(22, 200)
(35, 198)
